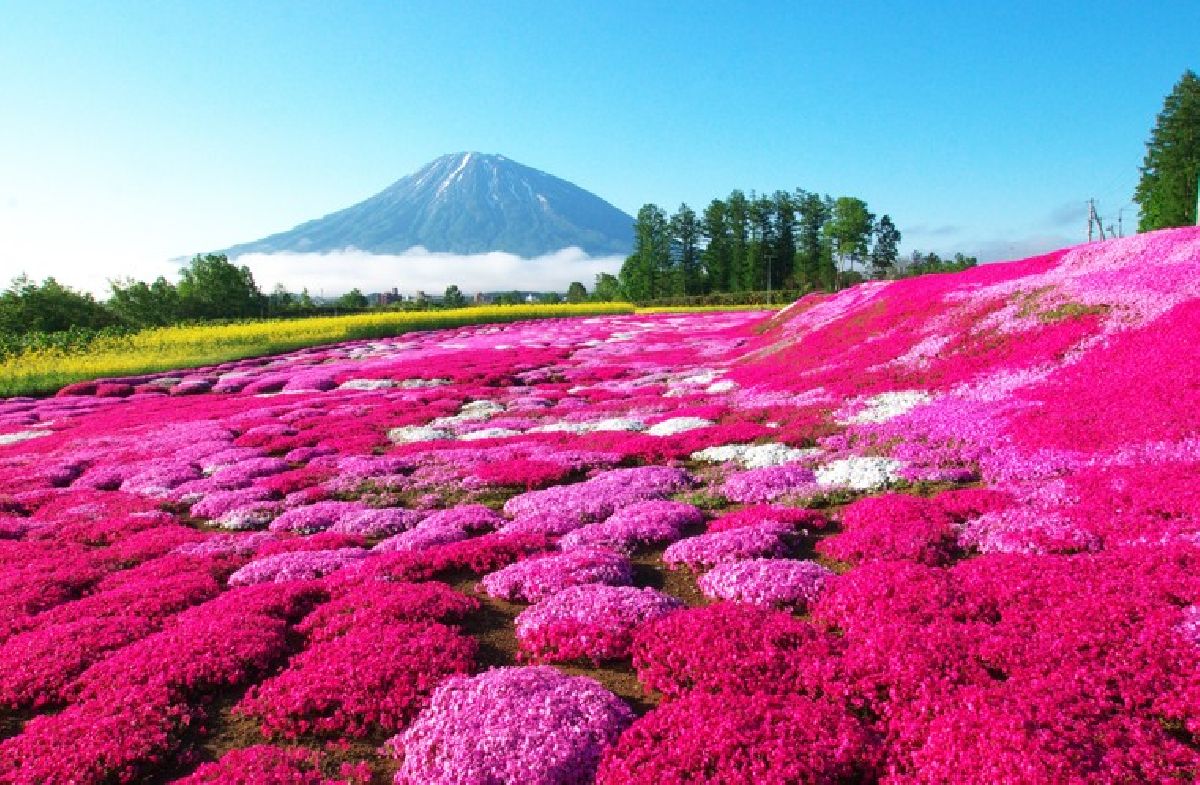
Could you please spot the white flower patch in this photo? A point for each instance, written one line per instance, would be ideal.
(723, 453)
(21, 436)
(887, 406)
(475, 411)
(859, 473)
(488, 433)
(760, 456)
(418, 384)
(367, 384)
(616, 424)
(418, 433)
(724, 386)
(754, 456)
(678, 425)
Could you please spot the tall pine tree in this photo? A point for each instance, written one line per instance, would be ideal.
(646, 273)
(1166, 193)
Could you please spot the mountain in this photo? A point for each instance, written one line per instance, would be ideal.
(465, 203)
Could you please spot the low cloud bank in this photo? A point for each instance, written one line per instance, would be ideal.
(418, 269)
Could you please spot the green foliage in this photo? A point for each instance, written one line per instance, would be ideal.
(139, 304)
(576, 292)
(453, 297)
(885, 250)
(210, 287)
(1166, 192)
(353, 299)
(549, 298)
(606, 289)
(685, 239)
(49, 307)
(849, 229)
(920, 264)
(647, 271)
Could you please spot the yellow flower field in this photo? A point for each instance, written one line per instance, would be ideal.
(188, 347)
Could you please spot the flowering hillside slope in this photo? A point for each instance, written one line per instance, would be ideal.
(939, 530)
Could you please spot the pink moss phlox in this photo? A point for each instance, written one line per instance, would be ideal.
(507, 725)
(592, 620)
(640, 524)
(370, 678)
(771, 582)
(537, 578)
(743, 740)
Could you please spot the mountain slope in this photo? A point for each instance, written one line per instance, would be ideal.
(465, 203)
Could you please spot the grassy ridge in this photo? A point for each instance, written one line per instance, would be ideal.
(45, 370)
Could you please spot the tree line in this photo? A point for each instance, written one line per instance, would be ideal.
(797, 240)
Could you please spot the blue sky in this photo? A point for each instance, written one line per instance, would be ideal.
(138, 132)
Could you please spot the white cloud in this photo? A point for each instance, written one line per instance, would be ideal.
(418, 269)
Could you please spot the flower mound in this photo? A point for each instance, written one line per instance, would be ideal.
(511, 726)
(370, 678)
(646, 523)
(894, 526)
(771, 582)
(725, 648)
(295, 566)
(747, 542)
(263, 764)
(741, 740)
(535, 579)
(590, 621)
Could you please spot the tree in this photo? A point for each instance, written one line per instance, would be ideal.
(606, 289)
(576, 292)
(685, 238)
(28, 307)
(210, 287)
(645, 273)
(1166, 193)
(849, 229)
(549, 298)
(784, 252)
(717, 257)
(453, 297)
(813, 212)
(885, 249)
(144, 305)
(352, 299)
(280, 300)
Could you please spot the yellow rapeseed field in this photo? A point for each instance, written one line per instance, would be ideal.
(168, 348)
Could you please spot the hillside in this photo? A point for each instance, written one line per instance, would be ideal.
(937, 530)
(465, 203)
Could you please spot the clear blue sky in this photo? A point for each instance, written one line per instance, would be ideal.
(138, 131)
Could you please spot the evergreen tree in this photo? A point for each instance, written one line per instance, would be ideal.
(1166, 193)
(885, 249)
(785, 241)
(737, 216)
(813, 212)
(646, 272)
(685, 235)
(717, 257)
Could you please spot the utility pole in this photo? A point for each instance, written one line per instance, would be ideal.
(1094, 221)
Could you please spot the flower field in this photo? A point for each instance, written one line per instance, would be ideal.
(937, 530)
(174, 348)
